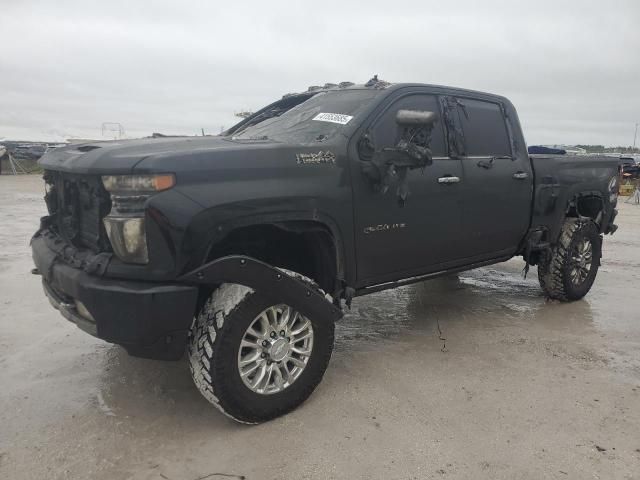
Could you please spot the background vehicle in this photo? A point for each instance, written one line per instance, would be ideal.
(630, 168)
(261, 233)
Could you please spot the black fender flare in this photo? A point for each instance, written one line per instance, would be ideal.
(344, 263)
(266, 279)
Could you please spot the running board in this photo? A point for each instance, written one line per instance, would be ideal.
(427, 276)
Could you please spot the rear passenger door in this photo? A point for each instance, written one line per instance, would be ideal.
(496, 197)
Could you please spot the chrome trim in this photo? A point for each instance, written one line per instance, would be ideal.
(448, 180)
(275, 349)
(69, 311)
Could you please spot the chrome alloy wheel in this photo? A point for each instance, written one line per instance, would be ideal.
(581, 260)
(275, 349)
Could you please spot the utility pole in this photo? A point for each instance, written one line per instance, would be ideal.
(635, 135)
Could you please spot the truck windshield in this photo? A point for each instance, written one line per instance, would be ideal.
(314, 120)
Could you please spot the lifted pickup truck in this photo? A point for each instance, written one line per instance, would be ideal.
(243, 247)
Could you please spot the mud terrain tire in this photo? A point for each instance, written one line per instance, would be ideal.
(214, 347)
(556, 269)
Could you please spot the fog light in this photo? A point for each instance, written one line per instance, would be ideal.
(128, 238)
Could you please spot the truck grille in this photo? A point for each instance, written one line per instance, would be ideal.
(77, 205)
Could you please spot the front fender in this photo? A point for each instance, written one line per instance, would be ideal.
(213, 225)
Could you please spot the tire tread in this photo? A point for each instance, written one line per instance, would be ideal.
(208, 336)
(554, 263)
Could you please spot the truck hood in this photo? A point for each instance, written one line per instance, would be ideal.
(122, 156)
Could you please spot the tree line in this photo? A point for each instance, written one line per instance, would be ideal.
(603, 149)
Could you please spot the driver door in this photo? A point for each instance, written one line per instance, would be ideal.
(394, 241)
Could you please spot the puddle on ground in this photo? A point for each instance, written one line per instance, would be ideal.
(388, 315)
(486, 298)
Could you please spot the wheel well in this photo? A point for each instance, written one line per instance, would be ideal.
(590, 206)
(305, 247)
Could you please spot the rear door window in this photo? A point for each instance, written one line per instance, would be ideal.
(484, 127)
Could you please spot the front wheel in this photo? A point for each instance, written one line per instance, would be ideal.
(567, 271)
(253, 359)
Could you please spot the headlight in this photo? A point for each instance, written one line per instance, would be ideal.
(125, 223)
(128, 238)
(138, 183)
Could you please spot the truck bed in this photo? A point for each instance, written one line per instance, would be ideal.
(559, 180)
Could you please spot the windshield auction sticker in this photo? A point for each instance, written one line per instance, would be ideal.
(333, 118)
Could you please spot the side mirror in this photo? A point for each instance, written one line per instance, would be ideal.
(415, 118)
(406, 155)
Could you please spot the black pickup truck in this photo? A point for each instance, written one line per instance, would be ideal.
(244, 247)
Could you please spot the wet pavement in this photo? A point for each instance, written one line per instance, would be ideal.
(469, 376)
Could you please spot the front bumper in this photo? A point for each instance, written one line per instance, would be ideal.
(148, 319)
(152, 319)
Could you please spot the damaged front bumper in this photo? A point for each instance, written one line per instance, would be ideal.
(152, 319)
(148, 319)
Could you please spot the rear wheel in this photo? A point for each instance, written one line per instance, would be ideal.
(254, 359)
(568, 270)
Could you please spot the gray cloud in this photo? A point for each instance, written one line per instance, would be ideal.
(571, 68)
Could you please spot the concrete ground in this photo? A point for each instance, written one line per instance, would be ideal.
(524, 389)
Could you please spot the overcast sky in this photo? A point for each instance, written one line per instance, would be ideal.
(572, 68)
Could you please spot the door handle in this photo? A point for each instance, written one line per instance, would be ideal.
(520, 175)
(448, 180)
(486, 164)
